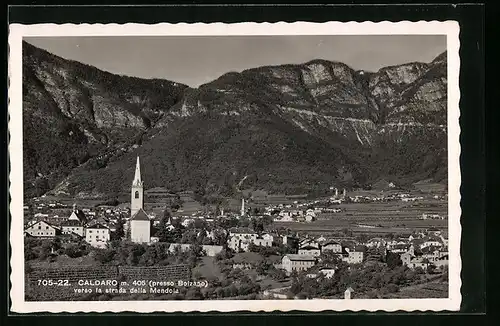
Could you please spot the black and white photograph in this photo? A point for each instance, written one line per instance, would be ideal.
(273, 171)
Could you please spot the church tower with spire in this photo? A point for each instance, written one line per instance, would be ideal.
(137, 194)
(140, 224)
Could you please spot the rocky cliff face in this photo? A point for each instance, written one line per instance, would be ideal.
(286, 128)
(73, 113)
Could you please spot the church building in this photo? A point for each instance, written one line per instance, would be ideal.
(140, 224)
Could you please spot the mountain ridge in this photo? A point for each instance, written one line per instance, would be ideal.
(289, 128)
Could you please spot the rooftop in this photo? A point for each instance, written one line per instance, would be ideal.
(97, 226)
(140, 215)
(295, 257)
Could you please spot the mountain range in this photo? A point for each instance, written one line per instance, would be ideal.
(284, 129)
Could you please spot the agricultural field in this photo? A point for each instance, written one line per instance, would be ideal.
(379, 218)
(427, 290)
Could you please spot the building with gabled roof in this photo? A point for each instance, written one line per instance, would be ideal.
(97, 235)
(73, 226)
(78, 215)
(331, 245)
(42, 229)
(294, 262)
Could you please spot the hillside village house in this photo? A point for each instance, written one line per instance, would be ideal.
(327, 272)
(333, 246)
(431, 242)
(353, 256)
(309, 251)
(418, 262)
(267, 236)
(97, 235)
(210, 250)
(72, 226)
(309, 242)
(376, 243)
(399, 248)
(297, 263)
(264, 242)
(435, 256)
(242, 233)
(321, 239)
(78, 215)
(241, 241)
(42, 229)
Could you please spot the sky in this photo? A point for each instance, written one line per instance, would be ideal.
(195, 60)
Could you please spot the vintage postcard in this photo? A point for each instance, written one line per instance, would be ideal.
(235, 167)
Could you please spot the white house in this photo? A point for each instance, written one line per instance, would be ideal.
(72, 226)
(97, 235)
(243, 233)
(297, 263)
(263, 242)
(268, 237)
(333, 246)
(353, 256)
(42, 229)
(327, 272)
(309, 251)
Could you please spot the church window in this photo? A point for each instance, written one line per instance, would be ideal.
(136, 194)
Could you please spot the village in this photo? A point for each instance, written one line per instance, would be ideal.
(261, 228)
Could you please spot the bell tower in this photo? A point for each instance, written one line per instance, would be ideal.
(137, 193)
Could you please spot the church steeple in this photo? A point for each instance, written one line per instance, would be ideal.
(137, 193)
(137, 177)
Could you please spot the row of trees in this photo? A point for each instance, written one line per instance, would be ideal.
(42, 249)
(132, 254)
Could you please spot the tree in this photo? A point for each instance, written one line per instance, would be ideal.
(257, 225)
(277, 274)
(330, 258)
(267, 220)
(189, 236)
(73, 251)
(127, 233)
(220, 237)
(347, 232)
(224, 255)
(264, 267)
(393, 260)
(120, 230)
(176, 203)
(431, 269)
(104, 255)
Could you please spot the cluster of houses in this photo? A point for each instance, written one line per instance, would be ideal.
(309, 251)
(77, 226)
(417, 250)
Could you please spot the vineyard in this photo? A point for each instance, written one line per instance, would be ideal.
(64, 284)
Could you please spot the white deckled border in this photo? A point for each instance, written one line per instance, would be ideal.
(18, 31)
